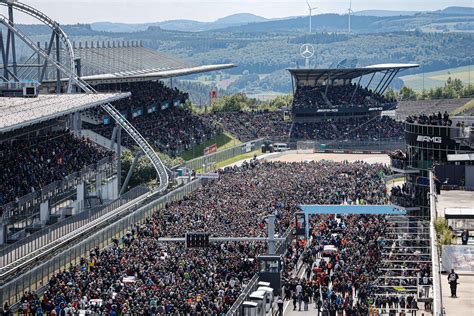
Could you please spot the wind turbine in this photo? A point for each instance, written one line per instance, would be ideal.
(310, 14)
(350, 12)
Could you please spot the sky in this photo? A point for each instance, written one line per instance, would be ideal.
(140, 11)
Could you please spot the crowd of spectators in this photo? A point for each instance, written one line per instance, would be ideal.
(350, 279)
(252, 125)
(171, 131)
(433, 119)
(31, 162)
(337, 95)
(152, 109)
(139, 275)
(144, 95)
(355, 129)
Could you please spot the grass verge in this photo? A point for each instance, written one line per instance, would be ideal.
(234, 159)
(223, 141)
(466, 107)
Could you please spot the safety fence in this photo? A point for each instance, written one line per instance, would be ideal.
(51, 233)
(435, 260)
(223, 155)
(37, 277)
(379, 145)
(236, 309)
(29, 204)
(280, 249)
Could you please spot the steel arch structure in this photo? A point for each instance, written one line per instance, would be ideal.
(57, 34)
(70, 73)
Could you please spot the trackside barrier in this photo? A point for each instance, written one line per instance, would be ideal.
(53, 232)
(220, 156)
(280, 249)
(236, 309)
(36, 278)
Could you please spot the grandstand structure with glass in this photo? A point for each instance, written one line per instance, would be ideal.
(332, 106)
(343, 92)
(52, 89)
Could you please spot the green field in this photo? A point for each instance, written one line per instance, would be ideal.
(223, 141)
(232, 160)
(438, 78)
(235, 159)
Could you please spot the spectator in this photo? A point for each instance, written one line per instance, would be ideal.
(31, 162)
(453, 282)
(465, 237)
(138, 274)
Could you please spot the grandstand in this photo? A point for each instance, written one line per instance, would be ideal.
(16, 113)
(127, 73)
(77, 245)
(112, 62)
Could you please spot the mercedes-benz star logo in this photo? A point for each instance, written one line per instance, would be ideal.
(307, 51)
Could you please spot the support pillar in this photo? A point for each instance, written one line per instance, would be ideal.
(271, 234)
(119, 160)
(3, 234)
(81, 197)
(58, 60)
(98, 183)
(44, 212)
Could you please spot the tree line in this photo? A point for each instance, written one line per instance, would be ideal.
(453, 88)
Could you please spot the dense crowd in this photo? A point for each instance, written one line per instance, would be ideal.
(432, 119)
(139, 275)
(359, 129)
(144, 95)
(152, 109)
(252, 125)
(350, 278)
(31, 162)
(171, 131)
(332, 96)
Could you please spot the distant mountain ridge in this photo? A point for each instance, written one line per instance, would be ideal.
(384, 13)
(247, 20)
(182, 25)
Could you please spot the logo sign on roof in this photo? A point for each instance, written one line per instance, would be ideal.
(307, 51)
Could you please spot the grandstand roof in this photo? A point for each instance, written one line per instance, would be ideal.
(346, 73)
(19, 112)
(101, 63)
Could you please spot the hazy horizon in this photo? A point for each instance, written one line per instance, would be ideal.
(143, 11)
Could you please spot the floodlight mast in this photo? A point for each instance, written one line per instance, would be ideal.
(310, 9)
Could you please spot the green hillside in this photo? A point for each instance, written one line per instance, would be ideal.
(438, 78)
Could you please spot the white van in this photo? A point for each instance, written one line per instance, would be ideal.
(280, 147)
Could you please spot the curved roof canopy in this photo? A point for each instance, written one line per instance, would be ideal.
(346, 73)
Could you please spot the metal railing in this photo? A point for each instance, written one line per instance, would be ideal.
(280, 249)
(39, 276)
(223, 155)
(53, 232)
(235, 310)
(437, 296)
(404, 201)
(28, 204)
(384, 144)
(399, 163)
